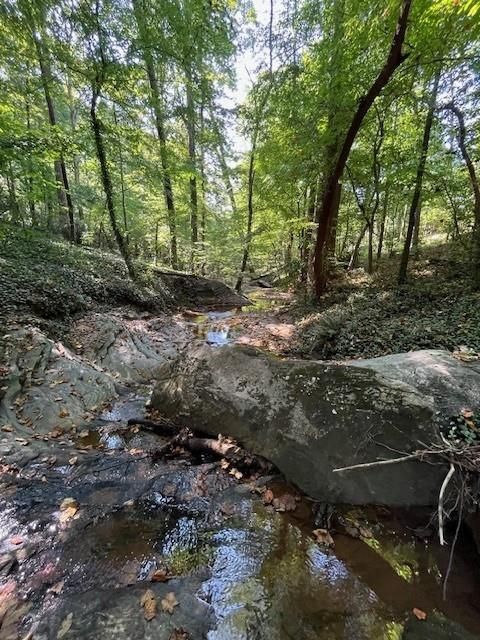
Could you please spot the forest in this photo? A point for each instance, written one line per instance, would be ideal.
(239, 319)
(237, 138)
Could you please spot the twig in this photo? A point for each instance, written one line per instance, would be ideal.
(448, 477)
(454, 543)
(378, 463)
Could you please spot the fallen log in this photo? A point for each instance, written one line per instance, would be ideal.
(186, 438)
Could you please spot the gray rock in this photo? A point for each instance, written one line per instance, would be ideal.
(133, 349)
(309, 418)
(436, 627)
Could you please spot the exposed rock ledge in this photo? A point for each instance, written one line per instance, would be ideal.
(311, 417)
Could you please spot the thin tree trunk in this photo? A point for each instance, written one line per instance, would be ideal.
(381, 232)
(122, 182)
(327, 209)
(31, 200)
(76, 158)
(307, 237)
(414, 214)
(107, 182)
(12, 195)
(221, 157)
(354, 257)
(192, 156)
(248, 238)
(63, 191)
(462, 134)
(156, 242)
(162, 139)
(456, 228)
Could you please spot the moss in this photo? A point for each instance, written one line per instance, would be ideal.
(184, 561)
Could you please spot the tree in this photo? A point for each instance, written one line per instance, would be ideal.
(414, 214)
(330, 197)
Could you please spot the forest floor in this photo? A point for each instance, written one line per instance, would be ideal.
(100, 536)
(365, 316)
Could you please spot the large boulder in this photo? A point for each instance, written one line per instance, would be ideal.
(189, 290)
(310, 417)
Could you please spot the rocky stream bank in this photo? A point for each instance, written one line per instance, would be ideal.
(102, 537)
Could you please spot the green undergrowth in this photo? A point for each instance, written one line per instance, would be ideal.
(53, 280)
(369, 316)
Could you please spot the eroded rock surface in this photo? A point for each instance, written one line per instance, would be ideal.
(49, 388)
(309, 418)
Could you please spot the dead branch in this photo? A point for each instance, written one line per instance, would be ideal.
(187, 439)
(366, 465)
(441, 497)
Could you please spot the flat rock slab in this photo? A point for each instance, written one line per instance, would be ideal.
(309, 417)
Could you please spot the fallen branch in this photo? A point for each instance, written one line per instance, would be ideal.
(366, 465)
(443, 488)
(187, 439)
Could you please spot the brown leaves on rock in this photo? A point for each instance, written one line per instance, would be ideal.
(285, 502)
(160, 575)
(323, 537)
(419, 614)
(149, 604)
(68, 509)
(169, 602)
(179, 634)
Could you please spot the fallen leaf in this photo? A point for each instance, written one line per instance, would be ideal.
(169, 602)
(68, 509)
(65, 626)
(73, 460)
(7, 427)
(419, 614)
(16, 540)
(68, 503)
(467, 413)
(322, 536)
(149, 604)
(268, 497)
(160, 575)
(56, 588)
(179, 634)
(63, 413)
(286, 502)
(22, 441)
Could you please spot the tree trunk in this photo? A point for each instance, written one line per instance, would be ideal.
(63, 191)
(76, 157)
(329, 199)
(122, 182)
(354, 257)
(107, 182)
(12, 196)
(381, 231)
(31, 200)
(462, 134)
(414, 214)
(192, 156)
(248, 238)
(221, 156)
(453, 205)
(307, 238)
(162, 140)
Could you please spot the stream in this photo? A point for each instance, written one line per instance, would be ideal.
(239, 568)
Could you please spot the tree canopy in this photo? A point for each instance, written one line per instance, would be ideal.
(135, 126)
